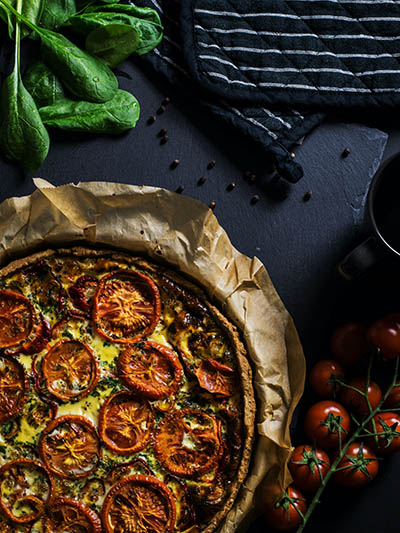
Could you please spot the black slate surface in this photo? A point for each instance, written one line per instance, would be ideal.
(299, 242)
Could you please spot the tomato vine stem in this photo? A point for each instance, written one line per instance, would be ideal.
(357, 434)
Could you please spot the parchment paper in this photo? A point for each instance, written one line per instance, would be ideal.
(186, 234)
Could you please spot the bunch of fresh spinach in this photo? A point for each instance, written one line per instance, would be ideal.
(70, 88)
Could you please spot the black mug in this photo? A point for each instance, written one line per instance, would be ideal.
(383, 219)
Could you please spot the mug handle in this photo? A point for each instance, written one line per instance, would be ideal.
(359, 260)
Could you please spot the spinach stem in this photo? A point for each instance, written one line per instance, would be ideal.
(21, 18)
(17, 40)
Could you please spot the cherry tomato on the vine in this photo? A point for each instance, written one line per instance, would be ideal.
(384, 334)
(358, 467)
(285, 513)
(355, 401)
(349, 343)
(393, 400)
(323, 377)
(389, 442)
(327, 423)
(308, 466)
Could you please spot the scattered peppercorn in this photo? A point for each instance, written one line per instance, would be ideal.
(292, 155)
(162, 132)
(231, 186)
(164, 139)
(212, 205)
(166, 101)
(211, 164)
(174, 163)
(160, 110)
(255, 199)
(307, 196)
(346, 153)
(201, 181)
(151, 119)
(180, 189)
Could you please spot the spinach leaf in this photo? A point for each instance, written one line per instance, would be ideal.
(56, 12)
(23, 136)
(83, 74)
(113, 43)
(6, 17)
(31, 9)
(44, 86)
(145, 20)
(114, 116)
(82, 4)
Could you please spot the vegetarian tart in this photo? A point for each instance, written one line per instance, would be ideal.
(126, 401)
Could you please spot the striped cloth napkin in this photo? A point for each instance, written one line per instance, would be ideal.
(274, 68)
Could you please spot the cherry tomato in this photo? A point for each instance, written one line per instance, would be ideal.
(308, 467)
(355, 401)
(326, 423)
(385, 335)
(284, 513)
(349, 343)
(322, 377)
(360, 466)
(389, 424)
(393, 400)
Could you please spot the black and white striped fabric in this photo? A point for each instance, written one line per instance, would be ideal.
(321, 53)
(273, 68)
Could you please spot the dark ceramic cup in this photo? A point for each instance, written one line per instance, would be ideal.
(383, 221)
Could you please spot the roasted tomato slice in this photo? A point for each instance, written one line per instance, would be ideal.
(139, 504)
(127, 306)
(125, 423)
(185, 513)
(70, 516)
(25, 489)
(15, 318)
(70, 369)
(46, 288)
(188, 443)
(150, 369)
(82, 293)
(208, 493)
(37, 339)
(69, 447)
(217, 378)
(13, 387)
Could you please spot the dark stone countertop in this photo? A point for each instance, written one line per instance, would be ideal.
(299, 242)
